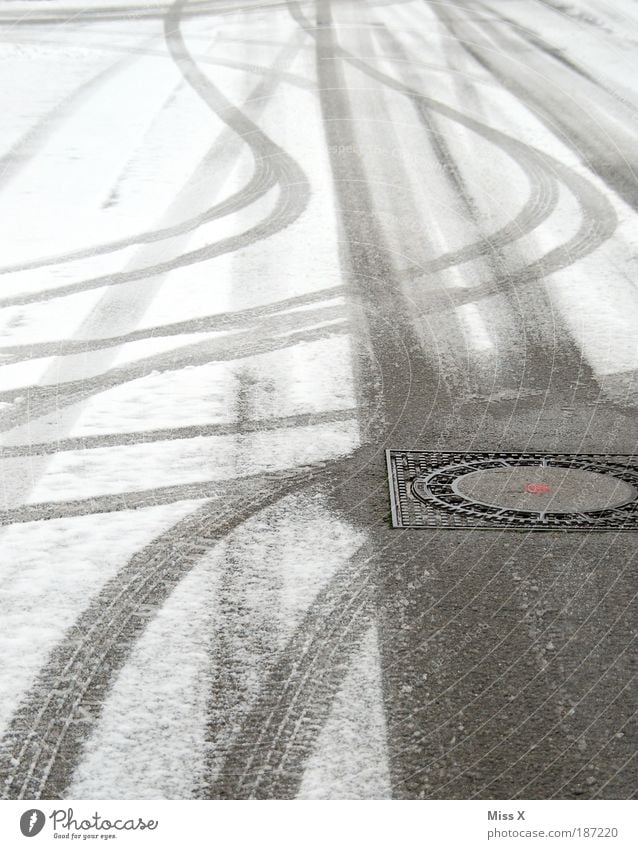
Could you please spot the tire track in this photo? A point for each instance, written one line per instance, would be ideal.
(599, 219)
(293, 186)
(141, 437)
(388, 346)
(47, 733)
(558, 54)
(58, 396)
(598, 222)
(125, 14)
(122, 308)
(246, 745)
(275, 322)
(290, 205)
(337, 121)
(560, 363)
(31, 142)
(263, 179)
(605, 147)
(130, 500)
(267, 756)
(52, 724)
(539, 205)
(223, 321)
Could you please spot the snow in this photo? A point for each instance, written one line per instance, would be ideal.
(64, 220)
(351, 756)
(238, 607)
(283, 351)
(106, 146)
(306, 378)
(85, 474)
(46, 322)
(49, 574)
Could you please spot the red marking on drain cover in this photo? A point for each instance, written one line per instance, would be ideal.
(537, 487)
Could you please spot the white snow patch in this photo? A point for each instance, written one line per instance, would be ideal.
(474, 327)
(321, 381)
(51, 571)
(64, 177)
(236, 609)
(49, 371)
(351, 757)
(45, 322)
(127, 468)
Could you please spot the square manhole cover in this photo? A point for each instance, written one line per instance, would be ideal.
(533, 490)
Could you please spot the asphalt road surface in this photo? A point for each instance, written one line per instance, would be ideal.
(246, 247)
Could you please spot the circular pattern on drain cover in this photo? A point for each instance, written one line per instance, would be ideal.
(536, 491)
(543, 489)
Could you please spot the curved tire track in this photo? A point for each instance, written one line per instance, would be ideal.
(293, 185)
(263, 179)
(44, 399)
(46, 735)
(279, 732)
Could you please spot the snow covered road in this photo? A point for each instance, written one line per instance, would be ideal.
(247, 246)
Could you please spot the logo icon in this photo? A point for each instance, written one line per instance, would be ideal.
(32, 822)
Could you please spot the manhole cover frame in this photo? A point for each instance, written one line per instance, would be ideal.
(416, 503)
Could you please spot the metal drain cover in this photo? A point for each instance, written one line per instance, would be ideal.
(537, 491)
